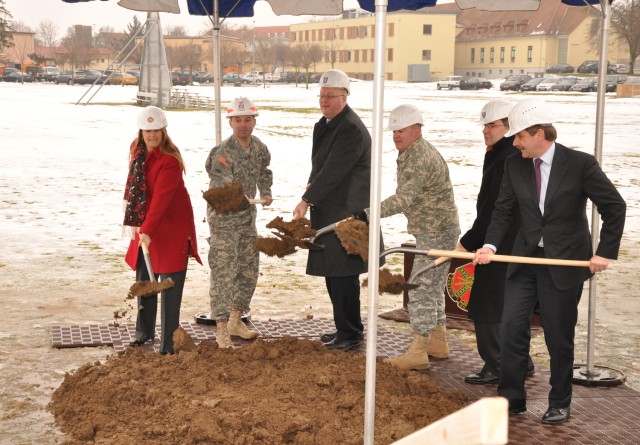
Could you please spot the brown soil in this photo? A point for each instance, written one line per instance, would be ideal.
(275, 246)
(227, 198)
(354, 237)
(148, 288)
(390, 283)
(299, 228)
(269, 392)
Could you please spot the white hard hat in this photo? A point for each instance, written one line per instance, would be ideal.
(495, 110)
(528, 113)
(241, 106)
(403, 117)
(335, 79)
(151, 118)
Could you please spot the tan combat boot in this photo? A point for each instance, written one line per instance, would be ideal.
(437, 345)
(237, 328)
(416, 356)
(222, 334)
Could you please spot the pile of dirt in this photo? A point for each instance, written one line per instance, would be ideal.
(269, 392)
(290, 234)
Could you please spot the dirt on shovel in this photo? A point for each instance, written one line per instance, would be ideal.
(354, 237)
(227, 198)
(148, 288)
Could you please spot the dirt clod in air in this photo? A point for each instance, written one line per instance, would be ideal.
(391, 283)
(148, 288)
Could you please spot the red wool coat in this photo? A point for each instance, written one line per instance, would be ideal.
(169, 221)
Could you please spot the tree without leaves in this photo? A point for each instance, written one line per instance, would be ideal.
(625, 17)
(625, 23)
(47, 33)
(78, 51)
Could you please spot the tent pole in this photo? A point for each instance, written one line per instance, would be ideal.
(595, 216)
(374, 221)
(216, 69)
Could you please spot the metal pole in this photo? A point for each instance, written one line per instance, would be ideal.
(597, 152)
(374, 222)
(216, 70)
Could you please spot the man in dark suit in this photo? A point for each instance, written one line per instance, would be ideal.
(548, 186)
(338, 186)
(487, 293)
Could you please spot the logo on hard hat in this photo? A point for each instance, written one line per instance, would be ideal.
(150, 119)
(484, 114)
(325, 79)
(241, 106)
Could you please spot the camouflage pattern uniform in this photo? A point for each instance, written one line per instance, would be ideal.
(425, 195)
(233, 260)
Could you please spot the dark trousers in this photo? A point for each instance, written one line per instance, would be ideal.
(344, 293)
(488, 342)
(169, 309)
(559, 314)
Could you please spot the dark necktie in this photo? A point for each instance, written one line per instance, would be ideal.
(536, 171)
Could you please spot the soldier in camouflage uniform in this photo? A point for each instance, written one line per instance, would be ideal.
(233, 260)
(425, 195)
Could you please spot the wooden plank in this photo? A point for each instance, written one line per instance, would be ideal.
(484, 422)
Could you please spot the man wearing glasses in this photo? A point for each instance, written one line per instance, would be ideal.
(338, 186)
(487, 292)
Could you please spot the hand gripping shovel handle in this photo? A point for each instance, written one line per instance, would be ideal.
(510, 258)
(147, 260)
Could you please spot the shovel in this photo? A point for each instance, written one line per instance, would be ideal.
(229, 198)
(152, 287)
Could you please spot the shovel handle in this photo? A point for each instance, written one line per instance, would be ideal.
(256, 201)
(509, 258)
(147, 260)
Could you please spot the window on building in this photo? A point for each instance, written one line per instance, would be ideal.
(513, 54)
(481, 55)
(529, 53)
(390, 55)
(391, 29)
(473, 55)
(426, 54)
(502, 54)
(492, 54)
(364, 55)
(348, 56)
(426, 30)
(357, 53)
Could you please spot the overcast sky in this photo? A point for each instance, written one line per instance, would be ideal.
(108, 13)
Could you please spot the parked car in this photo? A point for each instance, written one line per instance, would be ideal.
(179, 78)
(203, 77)
(233, 78)
(560, 68)
(135, 73)
(532, 84)
(48, 74)
(475, 83)
(620, 68)
(612, 81)
(592, 66)
(290, 76)
(64, 77)
(547, 83)
(565, 83)
(16, 76)
(252, 77)
(514, 82)
(449, 82)
(118, 78)
(86, 77)
(585, 84)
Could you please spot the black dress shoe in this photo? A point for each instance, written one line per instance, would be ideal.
(138, 342)
(482, 378)
(554, 416)
(344, 345)
(514, 410)
(328, 337)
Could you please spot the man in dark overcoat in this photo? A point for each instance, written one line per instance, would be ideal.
(487, 292)
(338, 186)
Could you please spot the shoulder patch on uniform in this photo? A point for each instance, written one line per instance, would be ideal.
(224, 161)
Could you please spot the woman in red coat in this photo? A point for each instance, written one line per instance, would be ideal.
(159, 212)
